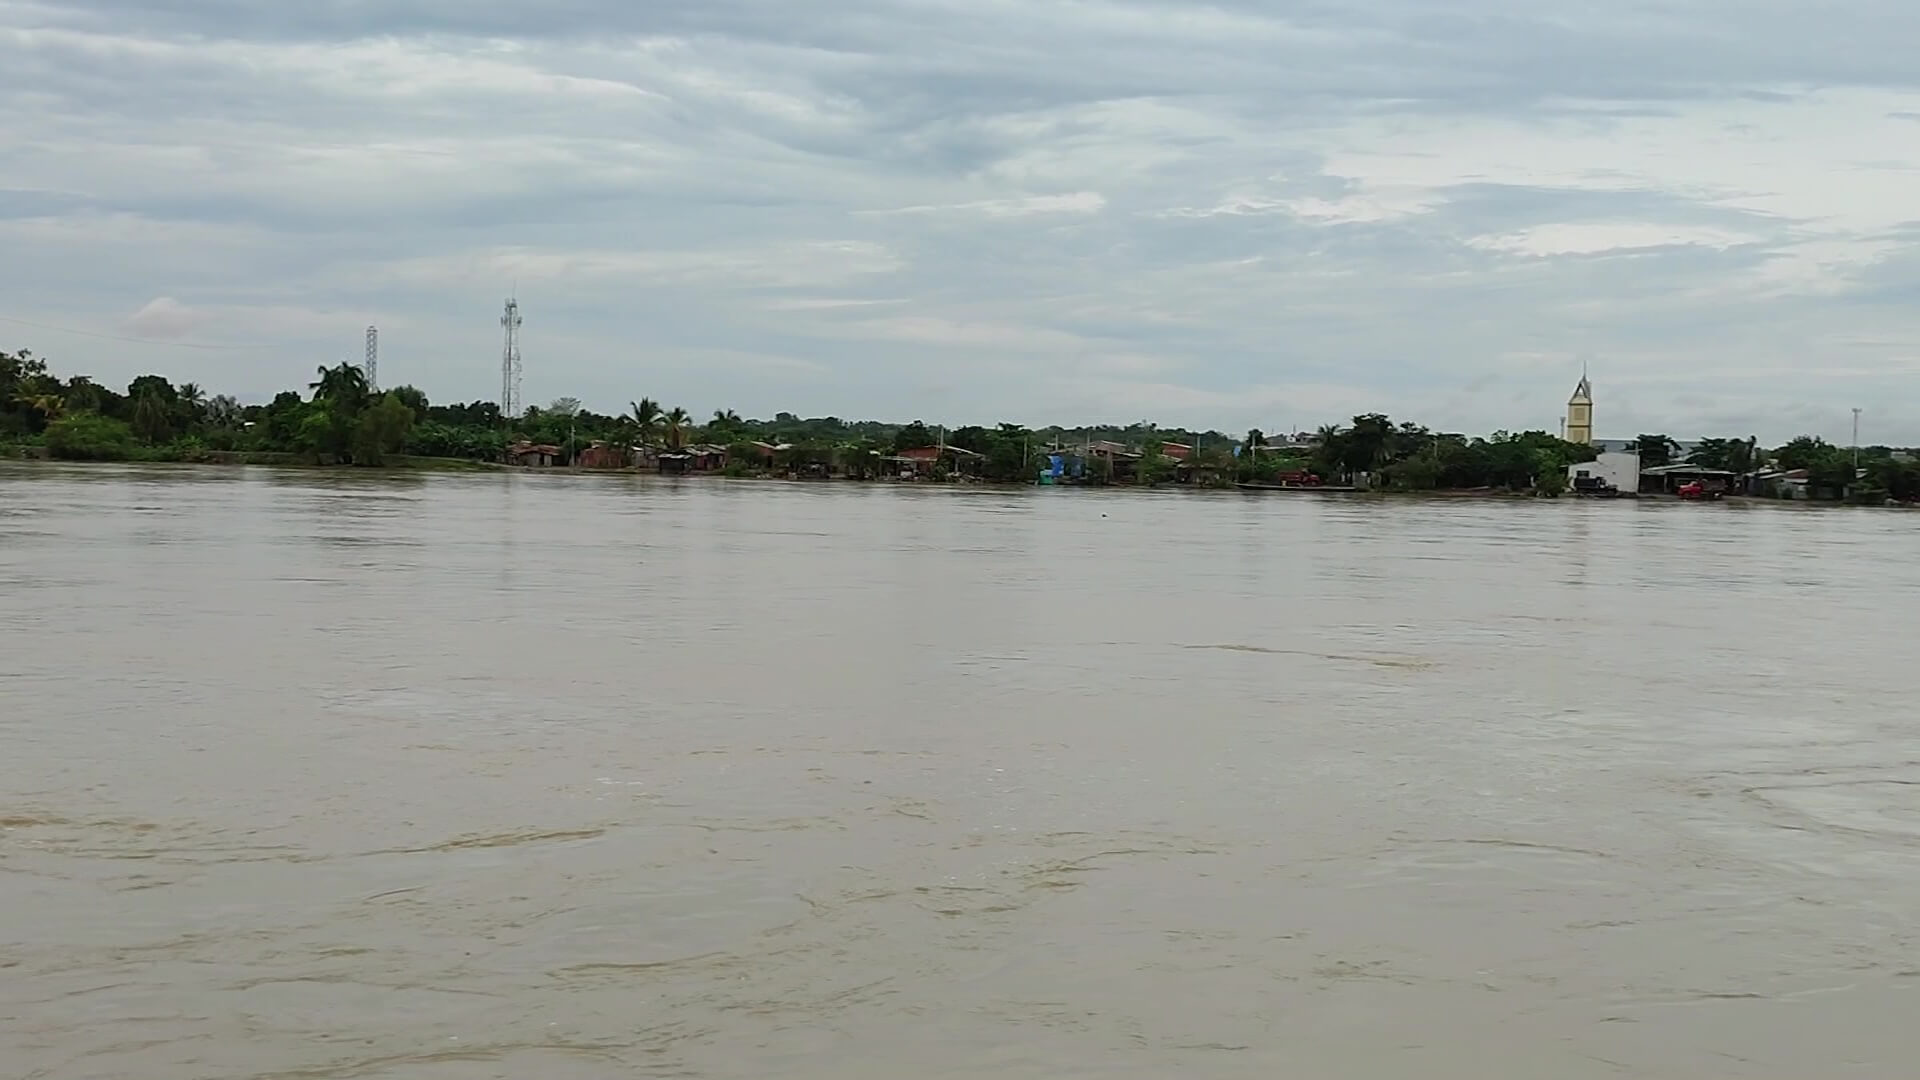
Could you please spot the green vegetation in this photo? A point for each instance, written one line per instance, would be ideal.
(1833, 474)
(1407, 457)
(89, 437)
(340, 420)
(1655, 450)
(1734, 455)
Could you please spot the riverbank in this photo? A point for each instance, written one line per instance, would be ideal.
(401, 464)
(228, 458)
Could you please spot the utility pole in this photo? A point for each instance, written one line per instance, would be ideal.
(373, 359)
(1856, 439)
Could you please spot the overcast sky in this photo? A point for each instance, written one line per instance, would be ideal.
(1244, 213)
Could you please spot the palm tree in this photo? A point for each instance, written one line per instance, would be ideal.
(726, 426)
(190, 404)
(346, 383)
(150, 420)
(675, 424)
(47, 405)
(646, 418)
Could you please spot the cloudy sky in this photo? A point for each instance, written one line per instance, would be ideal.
(1245, 212)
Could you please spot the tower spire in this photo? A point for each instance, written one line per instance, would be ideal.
(1579, 420)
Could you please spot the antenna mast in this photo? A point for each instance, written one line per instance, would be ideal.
(373, 358)
(510, 362)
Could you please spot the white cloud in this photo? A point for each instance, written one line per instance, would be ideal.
(824, 303)
(1079, 202)
(797, 265)
(1545, 241)
(164, 317)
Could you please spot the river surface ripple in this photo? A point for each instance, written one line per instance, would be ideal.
(317, 776)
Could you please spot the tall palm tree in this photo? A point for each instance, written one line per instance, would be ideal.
(674, 423)
(49, 406)
(190, 404)
(150, 418)
(646, 418)
(346, 383)
(726, 426)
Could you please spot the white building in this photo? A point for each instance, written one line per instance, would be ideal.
(1618, 470)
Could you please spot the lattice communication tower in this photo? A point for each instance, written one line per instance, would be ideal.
(510, 362)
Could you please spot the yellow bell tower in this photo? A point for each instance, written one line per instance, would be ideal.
(1580, 413)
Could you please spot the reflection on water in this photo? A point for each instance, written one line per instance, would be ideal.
(329, 775)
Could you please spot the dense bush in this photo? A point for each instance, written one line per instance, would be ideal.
(89, 437)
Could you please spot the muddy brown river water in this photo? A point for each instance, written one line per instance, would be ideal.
(317, 776)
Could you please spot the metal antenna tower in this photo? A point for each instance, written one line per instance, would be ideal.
(510, 361)
(373, 358)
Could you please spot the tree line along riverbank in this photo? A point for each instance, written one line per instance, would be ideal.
(339, 419)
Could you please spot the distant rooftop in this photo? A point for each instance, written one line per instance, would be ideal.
(1685, 470)
(1619, 445)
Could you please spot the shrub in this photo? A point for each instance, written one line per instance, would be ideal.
(89, 437)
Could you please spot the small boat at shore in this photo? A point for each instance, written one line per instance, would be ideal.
(1296, 489)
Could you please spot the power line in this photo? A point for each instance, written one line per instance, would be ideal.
(137, 340)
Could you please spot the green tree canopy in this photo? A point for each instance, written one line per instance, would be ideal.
(86, 436)
(414, 399)
(1655, 450)
(646, 420)
(152, 419)
(675, 425)
(1735, 455)
(344, 385)
(913, 436)
(382, 431)
(1806, 452)
(156, 386)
